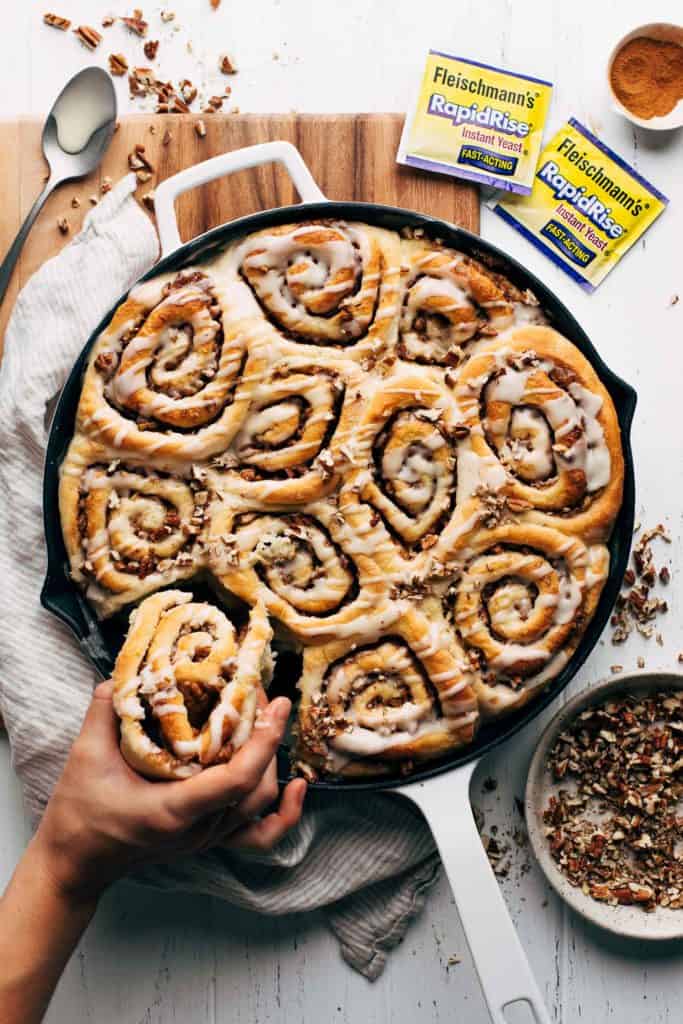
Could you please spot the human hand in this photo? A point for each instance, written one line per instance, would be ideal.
(104, 819)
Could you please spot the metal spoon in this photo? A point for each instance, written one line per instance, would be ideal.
(76, 136)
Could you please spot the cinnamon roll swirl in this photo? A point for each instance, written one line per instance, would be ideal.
(520, 603)
(449, 300)
(289, 448)
(333, 283)
(403, 696)
(128, 531)
(162, 376)
(314, 572)
(543, 431)
(186, 684)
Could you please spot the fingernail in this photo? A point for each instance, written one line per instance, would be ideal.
(279, 710)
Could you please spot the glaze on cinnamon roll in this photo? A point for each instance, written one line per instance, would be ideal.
(314, 572)
(520, 602)
(404, 468)
(162, 377)
(404, 696)
(543, 431)
(186, 684)
(325, 282)
(451, 299)
(128, 530)
(289, 448)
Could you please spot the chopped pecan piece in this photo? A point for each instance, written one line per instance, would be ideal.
(56, 21)
(118, 65)
(90, 37)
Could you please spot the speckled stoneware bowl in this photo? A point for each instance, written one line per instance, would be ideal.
(628, 921)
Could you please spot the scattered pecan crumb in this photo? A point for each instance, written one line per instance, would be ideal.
(167, 16)
(150, 49)
(615, 832)
(636, 608)
(188, 91)
(118, 65)
(63, 225)
(94, 200)
(106, 185)
(136, 24)
(75, 202)
(56, 21)
(640, 661)
(108, 21)
(90, 37)
(227, 65)
(167, 136)
(674, 300)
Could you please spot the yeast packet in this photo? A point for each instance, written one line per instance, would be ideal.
(478, 122)
(587, 206)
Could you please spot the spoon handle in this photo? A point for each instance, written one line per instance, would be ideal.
(18, 243)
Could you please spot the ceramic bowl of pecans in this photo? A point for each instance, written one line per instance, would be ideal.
(603, 804)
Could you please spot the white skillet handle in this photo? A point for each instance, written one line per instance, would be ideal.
(500, 961)
(239, 159)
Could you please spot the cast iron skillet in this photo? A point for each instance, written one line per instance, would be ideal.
(505, 976)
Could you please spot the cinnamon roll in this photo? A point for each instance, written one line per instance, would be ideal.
(290, 446)
(402, 696)
(543, 432)
(186, 684)
(371, 440)
(404, 458)
(520, 603)
(315, 572)
(449, 300)
(128, 530)
(162, 376)
(327, 282)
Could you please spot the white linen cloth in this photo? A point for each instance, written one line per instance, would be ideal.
(368, 859)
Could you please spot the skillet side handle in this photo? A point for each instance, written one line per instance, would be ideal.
(501, 963)
(239, 159)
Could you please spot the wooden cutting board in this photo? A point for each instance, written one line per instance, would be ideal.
(352, 156)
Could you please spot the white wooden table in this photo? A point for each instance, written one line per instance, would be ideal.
(149, 959)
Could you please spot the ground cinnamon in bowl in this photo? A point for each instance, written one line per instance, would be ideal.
(647, 76)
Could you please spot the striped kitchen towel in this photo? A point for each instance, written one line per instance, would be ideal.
(369, 862)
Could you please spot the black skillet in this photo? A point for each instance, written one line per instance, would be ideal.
(441, 788)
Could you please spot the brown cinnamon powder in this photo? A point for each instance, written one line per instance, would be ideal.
(647, 76)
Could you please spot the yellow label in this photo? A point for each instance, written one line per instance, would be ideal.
(587, 206)
(477, 122)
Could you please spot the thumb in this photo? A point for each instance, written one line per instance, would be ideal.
(100, 719)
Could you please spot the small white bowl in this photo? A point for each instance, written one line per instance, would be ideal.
(656, 30)
(626, 921)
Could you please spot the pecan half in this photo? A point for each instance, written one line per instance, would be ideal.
(89, 36)
(56, 21)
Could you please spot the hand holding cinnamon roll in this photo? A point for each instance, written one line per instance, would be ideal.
(186, 684)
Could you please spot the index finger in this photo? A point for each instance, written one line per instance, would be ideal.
(226, 784)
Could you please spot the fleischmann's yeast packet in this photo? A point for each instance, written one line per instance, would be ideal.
(477, 122)
(587, 206)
